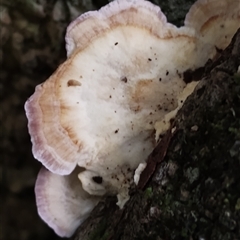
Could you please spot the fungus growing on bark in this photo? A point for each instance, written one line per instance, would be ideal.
(97, 111)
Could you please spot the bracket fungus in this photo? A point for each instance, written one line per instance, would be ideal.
(92, 122)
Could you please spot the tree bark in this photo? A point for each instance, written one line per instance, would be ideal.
(194, 192)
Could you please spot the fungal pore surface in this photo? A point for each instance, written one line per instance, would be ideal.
(92, 122)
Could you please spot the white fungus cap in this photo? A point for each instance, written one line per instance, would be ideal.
(98, 109)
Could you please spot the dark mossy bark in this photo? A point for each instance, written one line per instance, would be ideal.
(195, 191)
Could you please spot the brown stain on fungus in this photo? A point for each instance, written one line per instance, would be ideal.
(125, 15)
(73, 137)
(73, 83)
(141, 90)
(206, 25)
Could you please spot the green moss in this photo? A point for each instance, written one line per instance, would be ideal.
(237, 206)
(100, 232)
(235, 131)
(237, 78)
(148, 193)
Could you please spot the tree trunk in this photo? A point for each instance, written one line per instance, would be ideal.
(194, 192)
